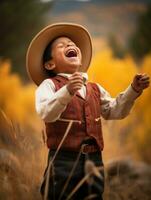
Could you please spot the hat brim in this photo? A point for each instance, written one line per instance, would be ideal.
(34, 57)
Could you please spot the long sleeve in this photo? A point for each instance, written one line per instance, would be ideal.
(119, 107)
(50, 104)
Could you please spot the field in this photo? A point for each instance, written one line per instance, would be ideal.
(23, 151)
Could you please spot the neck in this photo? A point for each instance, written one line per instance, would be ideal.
(84, 75)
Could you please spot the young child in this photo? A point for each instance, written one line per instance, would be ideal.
(71, 107)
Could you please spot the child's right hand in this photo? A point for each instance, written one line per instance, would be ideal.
(75, 83)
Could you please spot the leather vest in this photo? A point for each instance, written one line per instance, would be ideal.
(85, 114)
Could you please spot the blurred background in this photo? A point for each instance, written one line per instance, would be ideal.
(121, 39)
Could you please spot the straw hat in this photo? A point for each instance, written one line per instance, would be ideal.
(34, 58)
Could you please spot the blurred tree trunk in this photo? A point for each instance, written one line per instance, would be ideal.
(140, 42)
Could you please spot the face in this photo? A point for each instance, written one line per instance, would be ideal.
(66, 56)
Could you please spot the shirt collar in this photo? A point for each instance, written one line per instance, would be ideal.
(84, 75)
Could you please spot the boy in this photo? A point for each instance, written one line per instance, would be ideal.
(57, 61)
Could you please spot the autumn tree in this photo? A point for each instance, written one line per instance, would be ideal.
(20, 20)
(117, 48)
(140, 42)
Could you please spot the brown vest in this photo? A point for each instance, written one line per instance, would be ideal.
(85, 112)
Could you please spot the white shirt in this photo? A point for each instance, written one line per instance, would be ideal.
(51, 104)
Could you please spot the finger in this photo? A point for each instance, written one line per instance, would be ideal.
(138, 76)
(77, 85)
(144, 82)
(76, 88)
(76, 82)
(78, 74)
(145, 85)
(144, 78)
(76, 78)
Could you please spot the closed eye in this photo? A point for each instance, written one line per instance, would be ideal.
(72, 44)
(60, 45)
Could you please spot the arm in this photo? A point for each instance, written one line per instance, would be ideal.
(49, 103)
(119, 107)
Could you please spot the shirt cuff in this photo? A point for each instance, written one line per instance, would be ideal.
(131, 94)
(63, 95)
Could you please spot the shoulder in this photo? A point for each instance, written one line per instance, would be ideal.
(94, 86)
(46, 84)
(98, 88)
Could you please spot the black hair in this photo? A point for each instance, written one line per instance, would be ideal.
(47, 53)
(47, 56)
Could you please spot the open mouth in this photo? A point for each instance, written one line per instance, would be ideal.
(71, 53)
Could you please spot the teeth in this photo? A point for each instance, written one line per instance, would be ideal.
(71, 53)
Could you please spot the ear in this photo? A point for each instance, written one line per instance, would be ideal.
(50, 65)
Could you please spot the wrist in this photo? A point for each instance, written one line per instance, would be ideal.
(136, 89)
(70, 92)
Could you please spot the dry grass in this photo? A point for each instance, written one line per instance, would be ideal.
(127, 180)
(22, 162)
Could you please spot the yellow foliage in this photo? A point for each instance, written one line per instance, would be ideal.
(16, 100)
(113, 74)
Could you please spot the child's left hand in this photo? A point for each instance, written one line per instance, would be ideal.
(140, 82)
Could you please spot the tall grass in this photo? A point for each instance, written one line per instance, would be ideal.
(22, 165)
(22, 162)
(127, 180)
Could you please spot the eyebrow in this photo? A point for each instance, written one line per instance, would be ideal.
(62, 42)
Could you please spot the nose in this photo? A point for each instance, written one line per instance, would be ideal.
(68, 45)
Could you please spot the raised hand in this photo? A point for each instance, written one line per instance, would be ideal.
(75, 83)
(140, 82)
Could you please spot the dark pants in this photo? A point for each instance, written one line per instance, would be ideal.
(62, 167)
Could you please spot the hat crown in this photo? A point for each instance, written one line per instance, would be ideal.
(34, 57)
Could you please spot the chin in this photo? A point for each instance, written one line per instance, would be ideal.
(73, 61)
(75, 64)
(72, 71)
